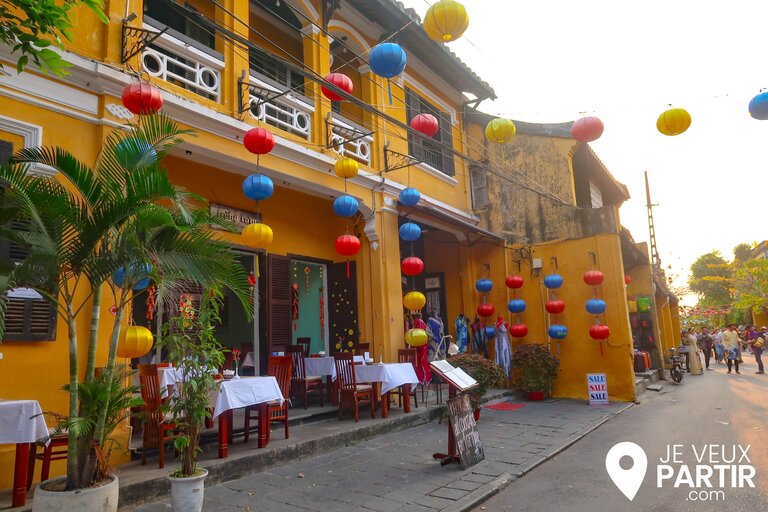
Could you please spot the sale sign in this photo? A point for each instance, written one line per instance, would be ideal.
(597, 388)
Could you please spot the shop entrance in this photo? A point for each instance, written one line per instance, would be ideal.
(309, 299)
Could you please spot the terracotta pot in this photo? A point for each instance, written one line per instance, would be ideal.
(536, 396)
(476, 413)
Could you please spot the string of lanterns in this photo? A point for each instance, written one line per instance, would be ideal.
(346, 206)
(554, 306)
(596, 306)
(516, 306)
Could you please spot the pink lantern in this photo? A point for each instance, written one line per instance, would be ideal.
(587, 129)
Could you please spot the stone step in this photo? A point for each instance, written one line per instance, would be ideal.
(655, 387)
(652, 376)
(640, 384)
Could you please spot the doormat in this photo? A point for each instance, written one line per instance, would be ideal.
(505, 406)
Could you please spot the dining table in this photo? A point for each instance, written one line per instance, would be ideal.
(386, 377)
(21, 423)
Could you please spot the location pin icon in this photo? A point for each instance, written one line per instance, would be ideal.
(627, 480)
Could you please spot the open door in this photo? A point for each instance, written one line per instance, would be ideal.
(344, 329)
(278, 302)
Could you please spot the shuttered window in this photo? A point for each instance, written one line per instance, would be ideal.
(479, 176)
(435, 152)
(279, 300)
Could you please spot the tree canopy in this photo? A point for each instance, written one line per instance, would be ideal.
(711, 279)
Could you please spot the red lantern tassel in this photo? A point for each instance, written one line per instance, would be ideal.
(347, 269)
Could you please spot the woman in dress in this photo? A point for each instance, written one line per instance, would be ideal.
(503, 354)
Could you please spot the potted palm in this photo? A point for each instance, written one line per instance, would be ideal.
(537, 370)
(192, 347)
(484, 371)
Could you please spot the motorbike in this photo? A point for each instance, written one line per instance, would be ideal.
(676, 361)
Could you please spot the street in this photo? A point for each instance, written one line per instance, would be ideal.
(730, 411)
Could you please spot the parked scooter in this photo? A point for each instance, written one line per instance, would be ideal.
(676, 361)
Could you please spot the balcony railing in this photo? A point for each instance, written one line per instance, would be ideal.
(285, 111)
(179, 63)
(351, 141)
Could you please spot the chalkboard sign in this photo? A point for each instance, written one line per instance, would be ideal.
(468, 445)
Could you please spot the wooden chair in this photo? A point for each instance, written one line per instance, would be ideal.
(280, 368)
(351, 394)
(406, 355)
(300, 381)
(56, 450)
(362, 348)
(304, 343)
(157, 431)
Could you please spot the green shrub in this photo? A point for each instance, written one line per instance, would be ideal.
(536, 367)
(483, 370)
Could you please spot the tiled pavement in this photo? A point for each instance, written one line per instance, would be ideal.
(396, 472)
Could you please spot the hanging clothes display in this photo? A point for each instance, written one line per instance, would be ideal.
(462, 332)
(503, 354)
(423, 371)
(479, 340)
(436, 330)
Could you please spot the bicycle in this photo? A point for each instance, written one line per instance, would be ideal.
(676, 372)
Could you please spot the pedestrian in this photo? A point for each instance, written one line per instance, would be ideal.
(694, 357)
(685, 349)
(719, 348)
(705, 342)
(732, 343)
(757, 344)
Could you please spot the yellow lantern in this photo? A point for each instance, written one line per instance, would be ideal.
(346, 168)
(135, 341)
(500, 130)
(673, 121)
(446, 21)
(414, 301)
(258, 236)
(416, 337)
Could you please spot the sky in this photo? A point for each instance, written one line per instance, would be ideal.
(559, 60)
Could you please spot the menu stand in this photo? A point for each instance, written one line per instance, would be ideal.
(458, 383)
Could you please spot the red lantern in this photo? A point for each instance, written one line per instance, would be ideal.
(514, 282)
(599, 332)
(258, 141)
(426, 124)
(347, 245)
(518, 330)
(587, 129)
(412, 266)
(142, 98)
(341, 81)
(485, 310)
(593, 277)
(627, 280)
(555, 306)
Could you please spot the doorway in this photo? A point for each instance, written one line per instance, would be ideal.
(309, 304)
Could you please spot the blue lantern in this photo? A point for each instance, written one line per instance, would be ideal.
(258, 187)
(553, 281)
(410, 232)
(490, 332)
(132, 153)
(143, 269)
(596, 306)
(387, 60)
(557, 331)
(516, 306)
(409, 196)
(345, 206)
(758, 107)
(483, 285)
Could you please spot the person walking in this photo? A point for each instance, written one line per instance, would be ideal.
(719, 348)
(757, 344)
(694, 358)
(732, 342)
(705, 343)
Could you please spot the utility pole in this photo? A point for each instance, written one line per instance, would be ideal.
(655, 260)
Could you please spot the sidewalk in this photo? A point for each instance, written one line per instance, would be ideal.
(396, 472)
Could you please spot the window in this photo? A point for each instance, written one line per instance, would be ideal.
(479, 176)
(436, 152)
(276, 70)
(189, 30)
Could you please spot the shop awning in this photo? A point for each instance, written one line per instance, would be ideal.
(425, 212)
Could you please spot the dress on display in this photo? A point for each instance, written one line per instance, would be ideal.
(503, 353)
(462, 332)
(479, 341)
(436, 329)
(423, 371)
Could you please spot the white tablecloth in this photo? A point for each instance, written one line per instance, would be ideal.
(168, 377)
(245, 391)
(320, 366)
(21, 421)
(391, 375)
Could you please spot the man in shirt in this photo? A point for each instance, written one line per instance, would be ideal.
(732, 343)
(757, 347)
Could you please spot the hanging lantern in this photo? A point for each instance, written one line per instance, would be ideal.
(599, 332)
(516, 306)
(593, 277)
(595, 306)
(409, 196)
(627, 280)
(416, 337)
(346, 168)
(341, 81)
(552, 281)
(414, 301)
(673, 121)
(557, 331)
(412, 266)
(258, 187)
(139, 272)
(519, 330)
(426, 124)
(258, 141)
(587, 129)
(387, 60)
(345, 206)
(133, 153)
(135, 341)
(758, 106)
(258, 235)
(514, 282)
(500, 130)
(142, 98)
(410, 232)
(483, 285)
(490, 332)
(347, 245)
(554, 306)
(486, 309)
(446, 21)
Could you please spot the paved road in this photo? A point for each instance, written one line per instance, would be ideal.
(715, 408)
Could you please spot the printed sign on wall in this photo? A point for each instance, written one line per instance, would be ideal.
(597, 388)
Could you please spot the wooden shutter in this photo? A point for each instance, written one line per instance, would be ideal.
(479, 178)
(279, 300)
(412, 109)
(342, 306)
(6, 150)
(446, 143)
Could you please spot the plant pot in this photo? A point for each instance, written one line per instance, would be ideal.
(476, 413)
(187, 493)
(535, 396)
(50, 497)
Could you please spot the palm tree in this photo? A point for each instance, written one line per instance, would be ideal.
(121, 216)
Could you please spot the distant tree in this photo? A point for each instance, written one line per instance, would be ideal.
(711, 278)
(751, 284)
(742, 252)
(30, 27)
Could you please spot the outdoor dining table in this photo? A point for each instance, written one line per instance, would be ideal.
(21, 423)
(389, 376)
